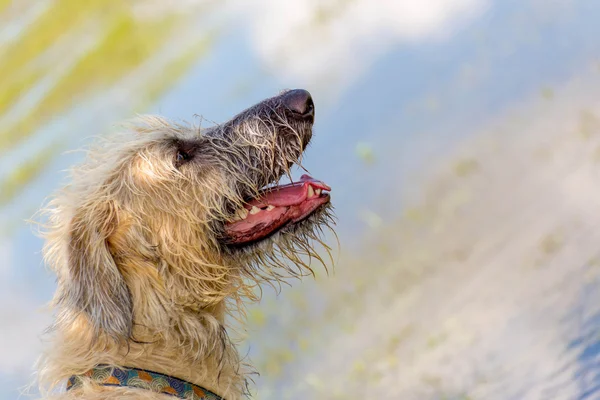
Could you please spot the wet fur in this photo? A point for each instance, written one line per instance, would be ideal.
(136, 241)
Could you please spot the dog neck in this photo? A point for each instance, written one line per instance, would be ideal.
(78, 349)
(135, 378)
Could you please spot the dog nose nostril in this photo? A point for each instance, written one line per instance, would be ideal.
(299, 101)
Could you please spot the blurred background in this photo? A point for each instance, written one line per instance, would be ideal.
(462, 142)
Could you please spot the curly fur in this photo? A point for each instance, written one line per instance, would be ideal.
(136, 241)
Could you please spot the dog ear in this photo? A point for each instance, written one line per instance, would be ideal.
(96, 287)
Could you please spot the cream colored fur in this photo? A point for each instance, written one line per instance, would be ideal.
(144, 279)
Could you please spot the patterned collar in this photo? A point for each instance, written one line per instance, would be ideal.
(142, 379)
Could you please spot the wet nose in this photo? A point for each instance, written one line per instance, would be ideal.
(300, 102)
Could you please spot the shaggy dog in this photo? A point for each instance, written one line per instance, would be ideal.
(163, 231)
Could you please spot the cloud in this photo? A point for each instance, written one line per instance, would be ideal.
(22, 325)
(22, 322)
(337, 39)
(6, 257)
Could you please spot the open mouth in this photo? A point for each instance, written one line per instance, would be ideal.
(276, 208)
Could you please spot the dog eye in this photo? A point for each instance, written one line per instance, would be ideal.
(181, 157)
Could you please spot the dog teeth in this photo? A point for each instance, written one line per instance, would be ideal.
(318, 192)
(311, 191)
(242, 213)
(270, 207)
(254, 210)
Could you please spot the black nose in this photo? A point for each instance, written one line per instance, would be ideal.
(300, 102)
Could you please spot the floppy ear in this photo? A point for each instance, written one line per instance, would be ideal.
(95, 285)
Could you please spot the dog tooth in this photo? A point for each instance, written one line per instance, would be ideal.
(254, 210)
(242, 213)
(311, 191)
(270, 207)
(318, 192)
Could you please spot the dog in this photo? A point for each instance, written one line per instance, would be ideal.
(165, 229)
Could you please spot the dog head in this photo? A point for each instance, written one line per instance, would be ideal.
(163, 215)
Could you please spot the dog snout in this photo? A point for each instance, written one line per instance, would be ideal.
(299, 101)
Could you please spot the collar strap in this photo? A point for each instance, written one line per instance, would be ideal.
(142, 379)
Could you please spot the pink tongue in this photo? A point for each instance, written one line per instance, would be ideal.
(291, 204)
(288, 195)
